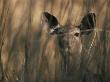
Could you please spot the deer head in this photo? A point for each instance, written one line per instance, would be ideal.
(69, 37)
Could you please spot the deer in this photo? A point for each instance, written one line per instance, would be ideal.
(69, 41)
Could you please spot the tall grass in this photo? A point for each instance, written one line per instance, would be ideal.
(29, 54)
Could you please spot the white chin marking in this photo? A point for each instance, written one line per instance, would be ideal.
(51, 31)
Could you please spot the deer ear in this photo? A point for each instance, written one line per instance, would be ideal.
(50, 19)
(88, 22)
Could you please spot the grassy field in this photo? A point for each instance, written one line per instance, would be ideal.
(29, 54)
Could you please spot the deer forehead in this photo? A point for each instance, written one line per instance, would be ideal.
(74, 30)
(72, 35)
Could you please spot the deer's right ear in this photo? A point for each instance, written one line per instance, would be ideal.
(88, 23)
(50, 20)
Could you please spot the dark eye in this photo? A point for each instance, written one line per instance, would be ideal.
(76, 34)
(59, 30)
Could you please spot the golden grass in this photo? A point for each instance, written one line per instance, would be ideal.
(29, 54)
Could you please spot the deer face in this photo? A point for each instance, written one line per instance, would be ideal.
(70, 36)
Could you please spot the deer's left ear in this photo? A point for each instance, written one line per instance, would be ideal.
(50, 20)
(88, 22)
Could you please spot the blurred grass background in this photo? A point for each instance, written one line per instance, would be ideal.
(26, 48)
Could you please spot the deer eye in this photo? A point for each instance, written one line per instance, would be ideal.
(76, 34)
(59, 30)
